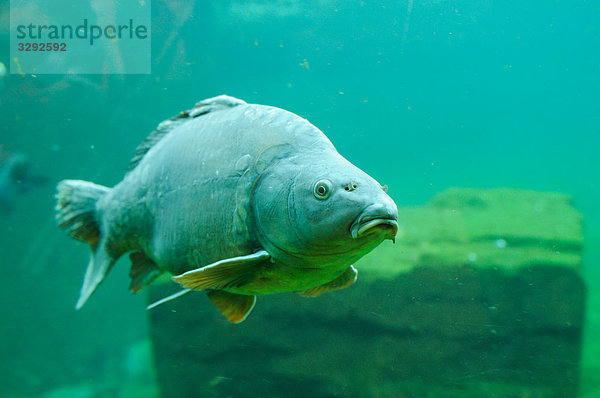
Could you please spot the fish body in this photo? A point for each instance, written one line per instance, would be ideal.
(16, 178)
(236, 199)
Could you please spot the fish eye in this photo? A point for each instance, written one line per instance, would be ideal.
(322, 189)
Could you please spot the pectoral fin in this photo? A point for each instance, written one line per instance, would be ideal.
(341, 282)
(235, 307)
(228, 273)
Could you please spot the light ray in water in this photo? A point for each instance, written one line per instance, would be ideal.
(406, 24)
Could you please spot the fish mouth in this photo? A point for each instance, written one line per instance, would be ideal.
(375, 216)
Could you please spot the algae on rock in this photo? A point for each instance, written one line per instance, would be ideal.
(505, 228)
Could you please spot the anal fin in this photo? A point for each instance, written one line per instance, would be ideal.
(235, 307)
(227, 273)
(143, 271)
(341, 282)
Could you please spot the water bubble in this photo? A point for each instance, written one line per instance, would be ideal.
(500, 243)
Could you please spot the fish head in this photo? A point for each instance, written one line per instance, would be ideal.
(319, 208)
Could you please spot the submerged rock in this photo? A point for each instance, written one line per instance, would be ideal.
(481, 296)
(485, 228)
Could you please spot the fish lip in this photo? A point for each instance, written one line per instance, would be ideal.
(365, 222)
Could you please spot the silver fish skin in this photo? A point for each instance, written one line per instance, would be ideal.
(235, 199)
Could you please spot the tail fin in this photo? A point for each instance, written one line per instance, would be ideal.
(76, 214)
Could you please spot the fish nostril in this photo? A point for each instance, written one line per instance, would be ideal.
(351, 186)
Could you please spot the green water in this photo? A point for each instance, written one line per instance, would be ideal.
(421, 95)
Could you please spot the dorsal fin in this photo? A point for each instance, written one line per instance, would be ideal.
(201, 108)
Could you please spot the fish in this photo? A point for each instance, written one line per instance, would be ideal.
(15, 178)
(235, 199)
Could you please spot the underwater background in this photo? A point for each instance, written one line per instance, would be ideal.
(422, 95)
